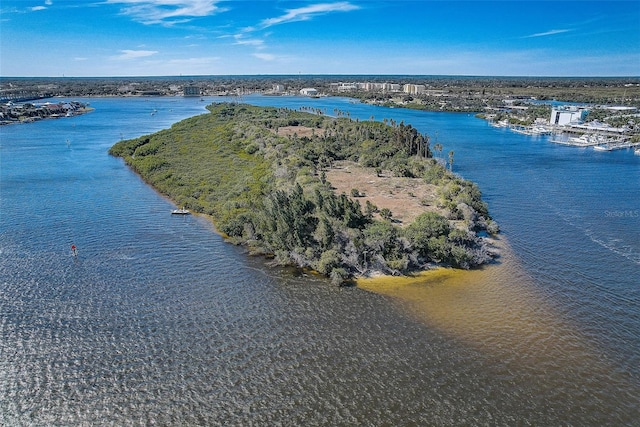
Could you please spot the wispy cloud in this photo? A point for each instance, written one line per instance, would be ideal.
(37, 8)
(265, 56)
(240, 40)
(548, 33)
(305, 13)
(207, 60)
(134, 54)
(168, 12)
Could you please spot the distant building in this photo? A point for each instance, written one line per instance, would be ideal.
(309, 91)
(277, 88)
(562, 116)
(621, 108)
(391, 87)
(191, 91)
(413, 89)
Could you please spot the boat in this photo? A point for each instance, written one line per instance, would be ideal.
(586, 140)
(637, 151)
(181, 211)
(602, 148)
(540, 130)
(531, 130)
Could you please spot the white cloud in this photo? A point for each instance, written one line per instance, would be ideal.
(265, 56)
(240, 40)
(306, 13)
(167, 12)
(37, 8)
(134, 54)
(547, 33)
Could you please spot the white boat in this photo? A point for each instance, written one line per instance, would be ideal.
(531, 130)
(182, 211)
(540, 130)
(602, 148)
(637, 151)
(500, 124)
(588, 139)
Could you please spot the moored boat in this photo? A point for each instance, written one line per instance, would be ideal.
(181, 211)
(602, 148)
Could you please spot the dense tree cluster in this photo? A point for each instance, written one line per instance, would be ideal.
(269, 192)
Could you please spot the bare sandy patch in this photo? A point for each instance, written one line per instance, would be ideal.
(405, 197)
(297, 130)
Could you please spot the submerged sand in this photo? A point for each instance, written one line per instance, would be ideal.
(499, 311)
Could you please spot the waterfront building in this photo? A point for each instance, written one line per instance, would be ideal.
(309, 91)
(562, 116)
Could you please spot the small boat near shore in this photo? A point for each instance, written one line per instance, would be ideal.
(181, 211)
(602, 148)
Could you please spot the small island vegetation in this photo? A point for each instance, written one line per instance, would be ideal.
(262, 173)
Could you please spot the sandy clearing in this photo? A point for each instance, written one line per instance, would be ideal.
(405, 197)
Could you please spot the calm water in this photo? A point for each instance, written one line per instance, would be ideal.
(158, 321)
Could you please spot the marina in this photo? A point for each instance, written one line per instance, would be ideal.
(570, 125)
(599, 142)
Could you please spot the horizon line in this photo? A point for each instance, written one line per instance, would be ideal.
(325, 75)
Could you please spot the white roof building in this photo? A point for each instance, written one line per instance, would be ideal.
(563, 116)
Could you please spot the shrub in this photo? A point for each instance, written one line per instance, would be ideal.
(328, 261)
(425, 227)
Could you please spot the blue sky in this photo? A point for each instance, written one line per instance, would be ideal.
(217, 37)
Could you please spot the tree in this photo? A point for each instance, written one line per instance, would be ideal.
(438, 147)
(424, 229)
(370, 209)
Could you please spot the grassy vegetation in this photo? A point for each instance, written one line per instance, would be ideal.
(269, 192)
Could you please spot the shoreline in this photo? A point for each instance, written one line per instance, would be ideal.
(79, 112)
(259, 201)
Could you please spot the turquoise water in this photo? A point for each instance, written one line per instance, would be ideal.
(159, 321)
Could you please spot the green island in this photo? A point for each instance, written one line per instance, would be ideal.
(262, 175)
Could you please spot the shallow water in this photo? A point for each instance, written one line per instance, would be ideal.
(497, 311)
(158, 321)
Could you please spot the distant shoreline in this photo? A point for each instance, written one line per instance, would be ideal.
(39, 117)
